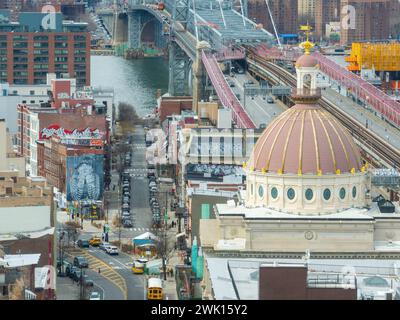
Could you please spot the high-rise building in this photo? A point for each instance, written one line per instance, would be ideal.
(326, 11)
(284, 14)
(306, 11)
(364, 20)
(394, 19)
(39, 44)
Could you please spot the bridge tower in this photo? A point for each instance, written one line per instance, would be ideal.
(181, 12)
(199, 75)
(179, 69)
(179, 62)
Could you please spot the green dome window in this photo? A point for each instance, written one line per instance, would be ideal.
(291, 193)
(261, 191)
(327, 194)
(309, 194)
(354, 192)
(342, 193)
(274, 193)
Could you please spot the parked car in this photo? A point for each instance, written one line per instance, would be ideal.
(153, 189)
(83, 243)
(87, 281)
(270, 100)
(152, 184)
(127, 223)
(81, 262)
(126, 215)
(112, 250)
(69, 268)
(94, 295)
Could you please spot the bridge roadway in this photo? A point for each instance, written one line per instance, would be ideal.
(375, 146)
(258, 109)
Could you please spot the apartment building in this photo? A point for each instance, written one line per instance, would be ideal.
(284, 13)
(28, 51)
(326, 11)
(364, 20)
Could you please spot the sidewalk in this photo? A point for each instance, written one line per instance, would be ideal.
(67, 289)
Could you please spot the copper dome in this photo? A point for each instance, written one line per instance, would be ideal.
(306, 61)
(306, 140)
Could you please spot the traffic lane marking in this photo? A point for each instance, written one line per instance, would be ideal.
(122, 285)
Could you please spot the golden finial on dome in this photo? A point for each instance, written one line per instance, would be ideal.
(337, 171)
(263, 170)
(306, 45)
(353, 170)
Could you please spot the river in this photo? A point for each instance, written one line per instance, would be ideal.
(134, 81)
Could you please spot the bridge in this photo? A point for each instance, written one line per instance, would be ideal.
(199, 34)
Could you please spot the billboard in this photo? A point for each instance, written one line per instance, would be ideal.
(85, 177)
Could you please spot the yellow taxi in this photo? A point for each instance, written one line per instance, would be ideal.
(138, 267)
(95, 241)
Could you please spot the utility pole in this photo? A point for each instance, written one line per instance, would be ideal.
(165, 244)
(82, 286)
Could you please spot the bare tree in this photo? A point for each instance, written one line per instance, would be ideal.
(17, 290)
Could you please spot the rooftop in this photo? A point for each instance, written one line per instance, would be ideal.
(266, 213)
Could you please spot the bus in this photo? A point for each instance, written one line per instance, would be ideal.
(154, 289)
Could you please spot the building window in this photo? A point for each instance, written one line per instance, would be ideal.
(309, 194)
(327, 194)
(291, 193)
(274, 193)
(342, 193)
(261, 191)
(354, 192)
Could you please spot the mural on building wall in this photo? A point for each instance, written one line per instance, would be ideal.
(85, 177)
(57, 130)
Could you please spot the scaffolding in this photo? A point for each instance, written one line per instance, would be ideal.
(379, 56)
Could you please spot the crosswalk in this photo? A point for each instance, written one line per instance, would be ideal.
(147, 229)
(139, 146)
(140, 173)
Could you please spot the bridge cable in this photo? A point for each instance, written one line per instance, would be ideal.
(273, 24)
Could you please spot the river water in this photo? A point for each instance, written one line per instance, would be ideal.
(134, 81)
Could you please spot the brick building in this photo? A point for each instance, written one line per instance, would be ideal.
(28, 52)
(52, 160)
(371, 20)
(284, 12)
